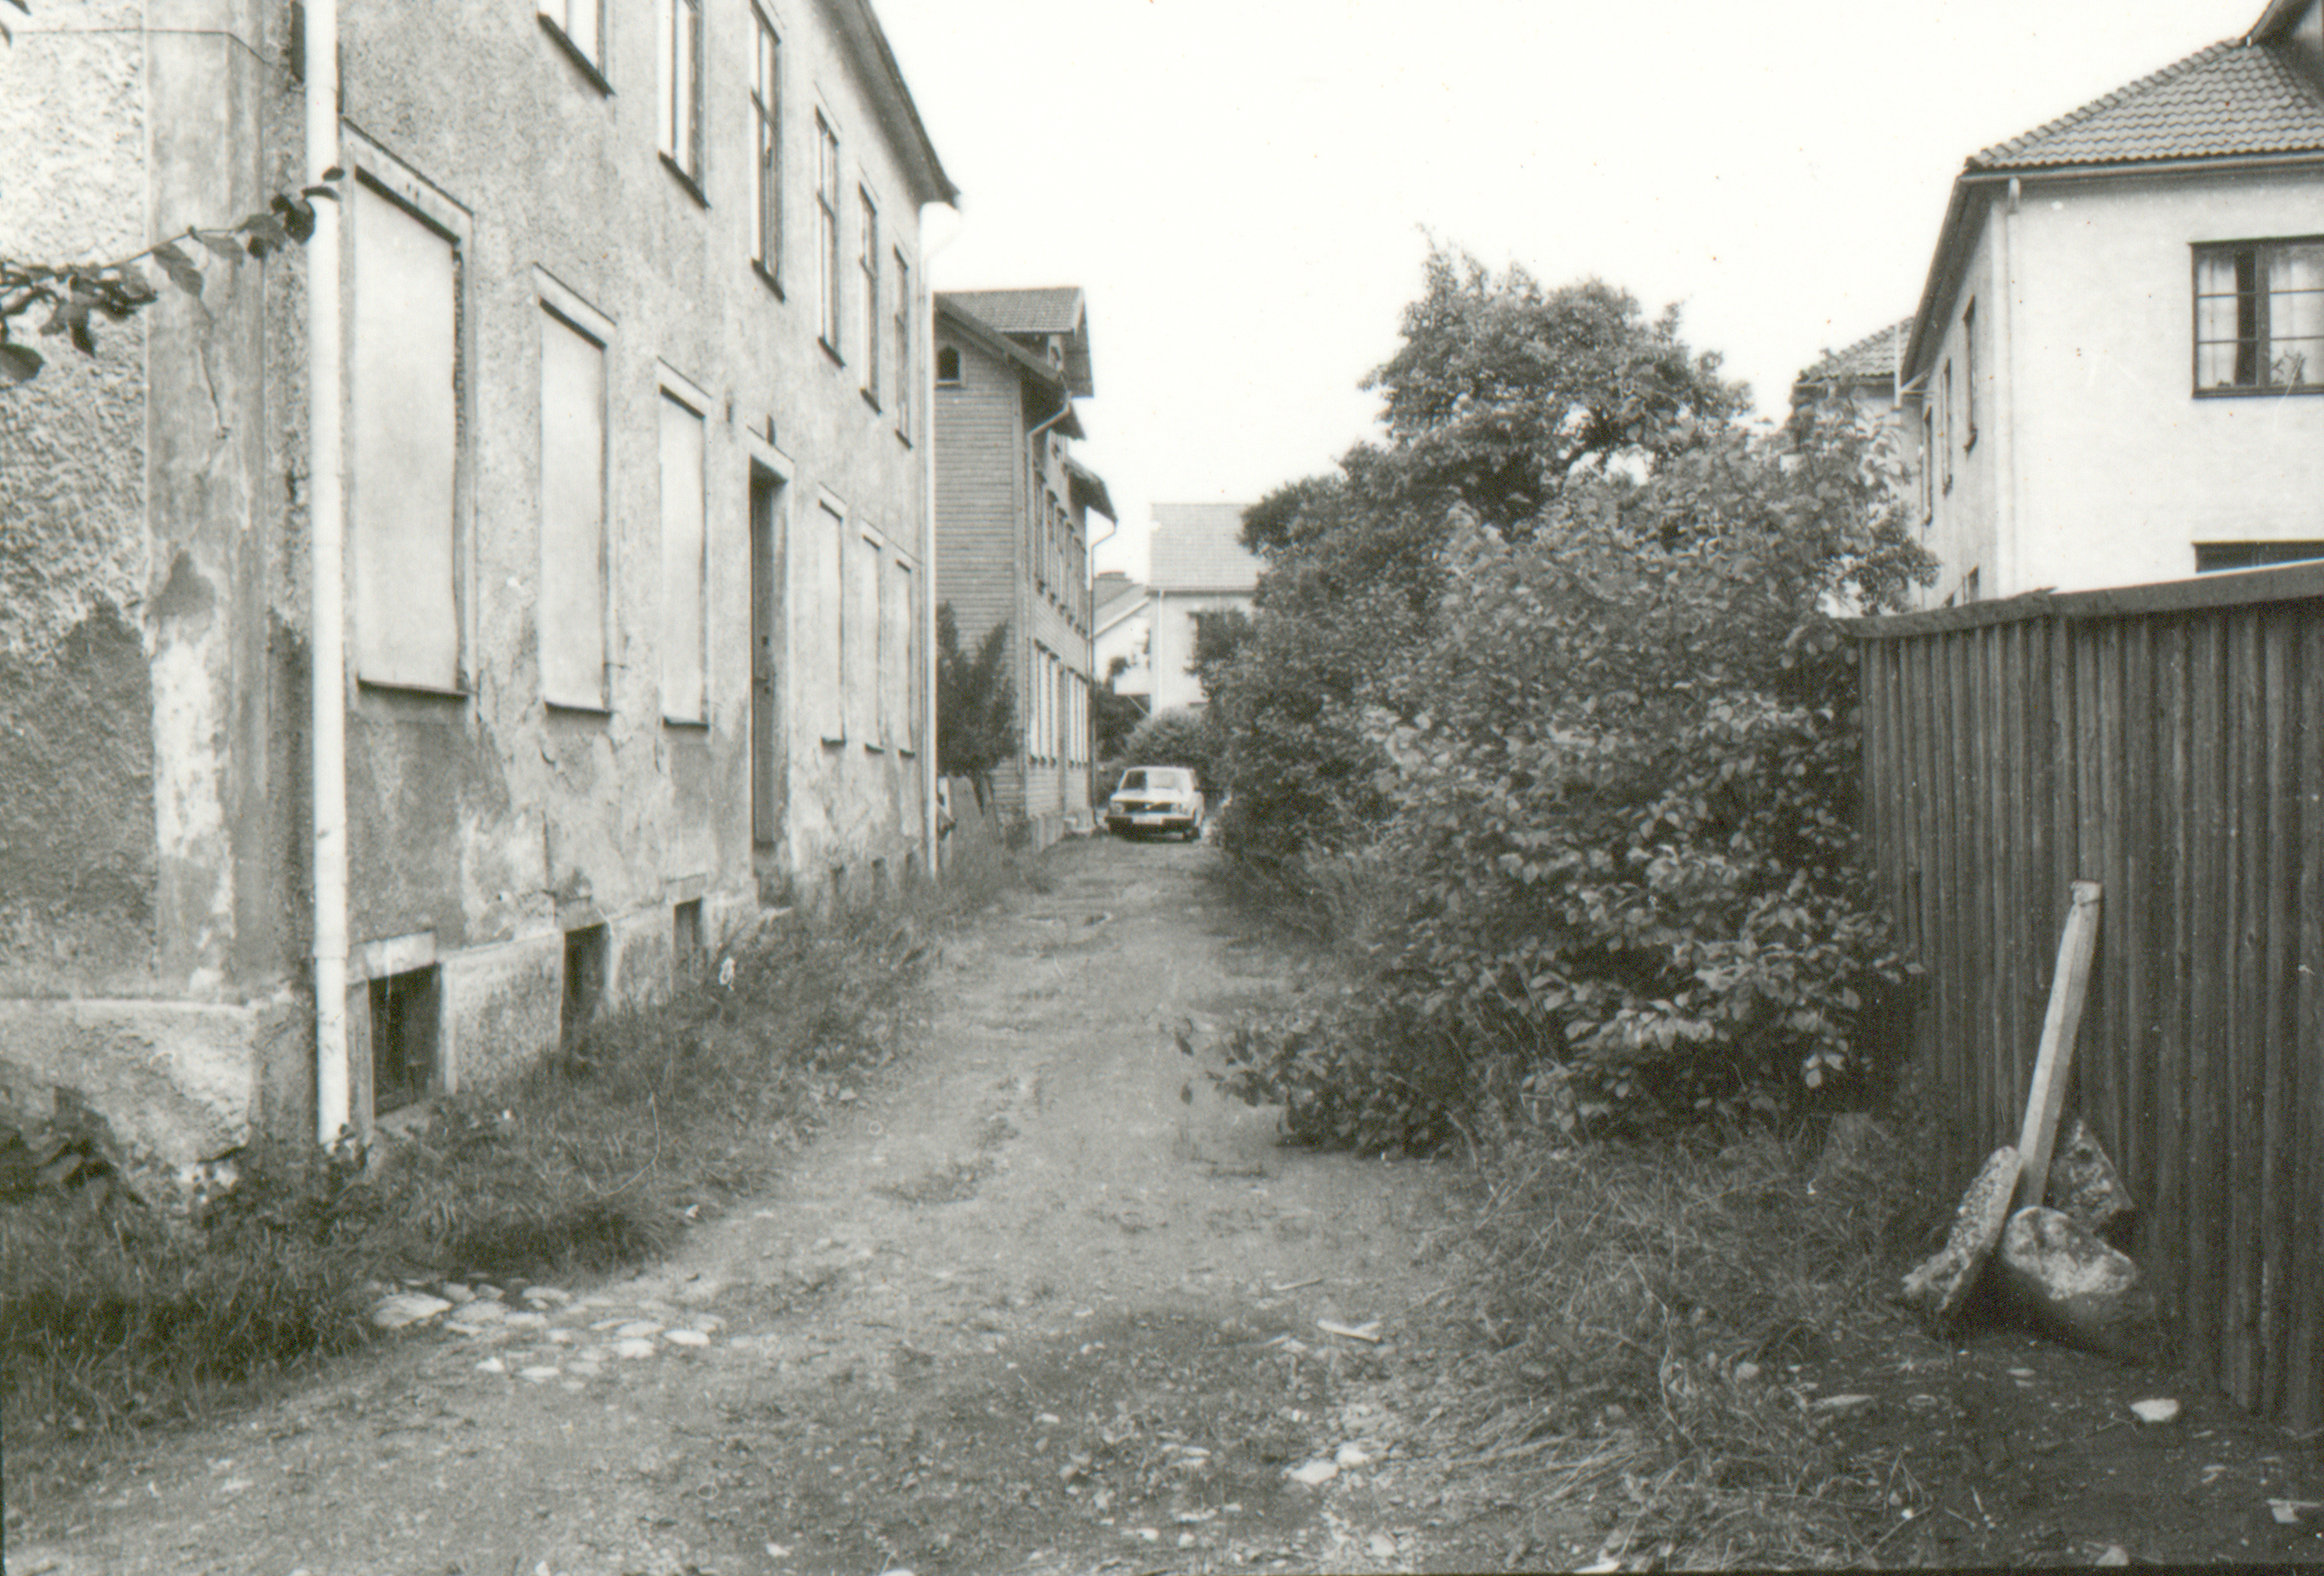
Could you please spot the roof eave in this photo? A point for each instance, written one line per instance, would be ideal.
(888, 89)
(975, 328)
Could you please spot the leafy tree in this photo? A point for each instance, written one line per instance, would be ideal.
(1556, 668)
(1218, 634)
(1116, 717)
(976, 704)
(1177, 737)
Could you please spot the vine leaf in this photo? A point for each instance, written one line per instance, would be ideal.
(178, 267)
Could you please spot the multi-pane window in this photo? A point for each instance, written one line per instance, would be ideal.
(1945, 408)
(862, 639)
(766, 176)
(404, 434)
(2259, 316)
(581, 25)
(1928, 465)
(824, 634)
(680, 48)
(903, 338)
(867, 267)
(827, 231)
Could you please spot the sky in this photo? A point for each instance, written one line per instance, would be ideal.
(1246, 190)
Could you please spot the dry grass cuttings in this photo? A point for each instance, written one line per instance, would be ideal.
(1631, 1308)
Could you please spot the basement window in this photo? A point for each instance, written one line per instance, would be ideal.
(404, 1067)
(686, 935)
(2210, 557)
(584, 980)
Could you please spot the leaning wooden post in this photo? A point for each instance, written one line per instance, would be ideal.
(2056, 1058)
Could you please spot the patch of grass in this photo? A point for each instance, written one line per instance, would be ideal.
(115, 1315)
(1618, 1299)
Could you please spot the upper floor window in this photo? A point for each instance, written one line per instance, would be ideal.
(827, 232)
(766, 176)
(580, 26)
(2259, 316)
(867, 266)
(2211, 557)
(903, 337)
(1945, 410)
(1968, 378)
(947, 364)
(681, 46)
(1928, 465)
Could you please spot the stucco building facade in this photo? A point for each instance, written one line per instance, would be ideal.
(2114, 371)
(637, 556)
(1198, 563)
(1013, 507)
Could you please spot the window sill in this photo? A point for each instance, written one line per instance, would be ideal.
(953, 385)
(768, 279)
(872, 399)
(875, 749)
(691, 724)
(830, 743)
(831, 350)
(574, 53)
(903, 437)
(408, 686)
(578, 707)
(693, 187)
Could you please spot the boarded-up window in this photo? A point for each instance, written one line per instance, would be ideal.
(572, 609)
(404, 405)
(824, 666)
(682, 587)
(903, 650)
(864, 638)
(895, 638)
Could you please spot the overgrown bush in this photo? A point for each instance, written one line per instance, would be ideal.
(1618, 778)
(1177, 737)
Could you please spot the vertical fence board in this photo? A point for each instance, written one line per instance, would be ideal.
(2246, 828)
(2305, 1362)
(1990, 774)
(2279, 861)
(2166, 1234)
(2206, 1217)
(2132, 912)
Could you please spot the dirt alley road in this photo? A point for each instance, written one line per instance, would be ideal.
(1044, 1301)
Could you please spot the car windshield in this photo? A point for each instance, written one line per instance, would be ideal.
(1151, 780)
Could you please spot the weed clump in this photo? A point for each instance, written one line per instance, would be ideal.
(116, 1313)
(1632, 1308)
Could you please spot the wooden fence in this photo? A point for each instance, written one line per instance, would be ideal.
(2167, 742)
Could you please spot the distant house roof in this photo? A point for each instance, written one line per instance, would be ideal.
(1115, 597)
(1871, 359)
(2233, 97)
(1088, 488)
(977, 330)
(1198, 547)
(1038, 314)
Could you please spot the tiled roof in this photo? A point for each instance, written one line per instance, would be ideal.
(1056, 311)
(2230, 98)
(1196, 547)
(1870, 359)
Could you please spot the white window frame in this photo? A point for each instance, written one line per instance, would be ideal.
(827, 286)
(578, 26)
(867, 265)
(903, 337)
(681, 51)
(767, 150)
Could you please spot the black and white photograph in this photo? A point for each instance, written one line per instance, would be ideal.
(1160, 787)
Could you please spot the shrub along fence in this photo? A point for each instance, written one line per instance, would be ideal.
(2167, 742)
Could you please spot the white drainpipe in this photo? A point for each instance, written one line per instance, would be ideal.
(327, 528)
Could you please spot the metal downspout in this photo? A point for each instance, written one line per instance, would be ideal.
(326, 522)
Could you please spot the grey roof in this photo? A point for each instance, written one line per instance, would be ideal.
(1088, 488)
(1197, 547)
(1871, 359)
(1057, 309)
(2233, 97)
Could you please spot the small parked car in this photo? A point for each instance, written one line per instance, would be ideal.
(1156, 798)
